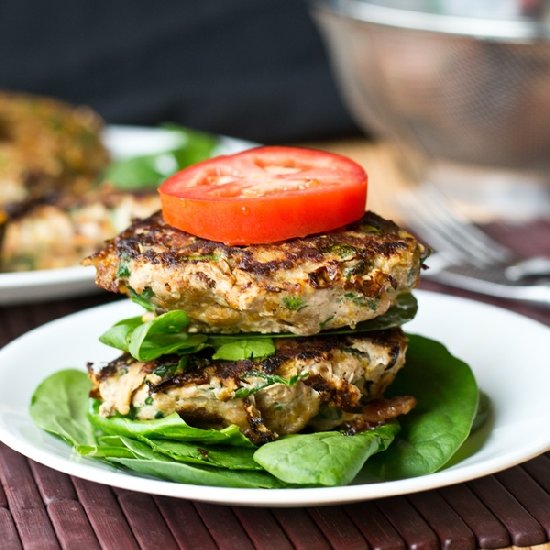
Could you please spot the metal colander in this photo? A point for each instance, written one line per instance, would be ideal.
(443, 84)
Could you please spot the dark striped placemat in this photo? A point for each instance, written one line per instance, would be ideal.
(44, 509)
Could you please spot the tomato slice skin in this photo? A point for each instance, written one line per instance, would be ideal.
(263, 195)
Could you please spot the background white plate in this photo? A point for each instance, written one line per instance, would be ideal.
(508, 353)
(122, 142)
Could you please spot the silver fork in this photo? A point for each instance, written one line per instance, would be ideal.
(466, 256)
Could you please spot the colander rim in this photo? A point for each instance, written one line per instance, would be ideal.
(508, 30)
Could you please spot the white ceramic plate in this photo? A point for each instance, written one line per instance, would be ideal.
(507, 352)
(122, 142)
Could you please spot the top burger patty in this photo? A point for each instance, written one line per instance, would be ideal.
(322, 281)
(47, 147)
(59, 231)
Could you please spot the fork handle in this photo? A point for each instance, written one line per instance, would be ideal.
(465, 277)
(535, 294)
(538, 266)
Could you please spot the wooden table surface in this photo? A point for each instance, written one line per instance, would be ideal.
(42, 509)
(381, 163)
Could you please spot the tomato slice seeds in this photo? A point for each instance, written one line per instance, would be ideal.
(266, 194)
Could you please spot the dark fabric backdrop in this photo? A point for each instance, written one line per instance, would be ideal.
(255, 69)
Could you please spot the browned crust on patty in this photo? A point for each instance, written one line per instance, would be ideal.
(340, 375)
(47, 146)
(301, 285)
(60, 231)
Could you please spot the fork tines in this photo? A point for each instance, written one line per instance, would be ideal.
(426, 210)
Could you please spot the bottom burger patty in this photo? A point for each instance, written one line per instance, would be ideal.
(314, 383)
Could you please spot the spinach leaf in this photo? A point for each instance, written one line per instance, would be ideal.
(481, 429)
(59, 406)
(148, 171)
(232, 458)
(180, 472)
(118, 336)
(196, 146)
(239, 350)
(323, 458)
(123, 270)
(143, 299)
(146, 460)
(147, 340)
(139, 172)
(434, 430)
(162, 335)
(483, 411)
(107, 446)
(170, 427)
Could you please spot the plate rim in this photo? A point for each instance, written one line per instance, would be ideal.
(287, 497)
(77, 280)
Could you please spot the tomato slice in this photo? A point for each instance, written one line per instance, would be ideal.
(264, 195)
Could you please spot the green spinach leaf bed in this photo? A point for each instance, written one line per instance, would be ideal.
(422, 442)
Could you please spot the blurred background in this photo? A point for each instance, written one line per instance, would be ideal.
(70, 178)
(461, 88)
(445, 94)
(254, 70)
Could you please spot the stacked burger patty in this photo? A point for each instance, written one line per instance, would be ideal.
(317, 299)
(54, 205)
